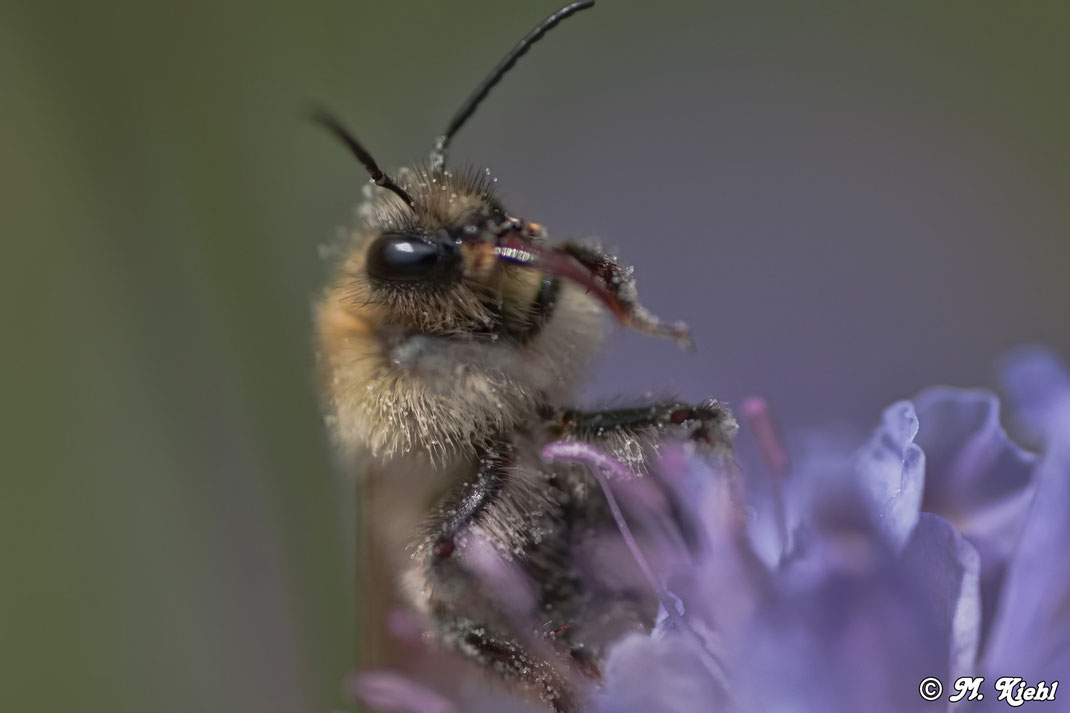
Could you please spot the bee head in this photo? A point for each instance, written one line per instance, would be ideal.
(440, 254)
(444, 255)
(441, 235)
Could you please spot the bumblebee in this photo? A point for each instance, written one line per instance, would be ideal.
(452, 339)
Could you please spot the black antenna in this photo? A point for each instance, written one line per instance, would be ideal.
(438, 153)
(328, 121)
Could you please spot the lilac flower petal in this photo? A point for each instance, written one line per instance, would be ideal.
(769, 528)
(1031, 634)
(393, 693)
(891, 474)
(971, 463)
(844, 625)
(720, 590)
(759, 418)
(976, 478)
(1038, 381)
(822, 480)
(664, 675)
(946, 570)
(858, 639)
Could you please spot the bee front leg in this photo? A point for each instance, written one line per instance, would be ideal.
(616, 287)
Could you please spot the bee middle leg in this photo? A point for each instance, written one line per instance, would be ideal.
(632, 434)
(709, 423)
(466, 609)
(510, 659)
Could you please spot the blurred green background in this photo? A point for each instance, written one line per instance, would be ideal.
(847, 201)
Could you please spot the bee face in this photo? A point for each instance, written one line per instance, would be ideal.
(440, 265)
(439, 238)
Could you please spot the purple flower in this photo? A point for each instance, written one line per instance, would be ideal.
(933, 548)
(1030, 636)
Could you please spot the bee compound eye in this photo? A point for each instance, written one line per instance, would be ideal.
(412, 258)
